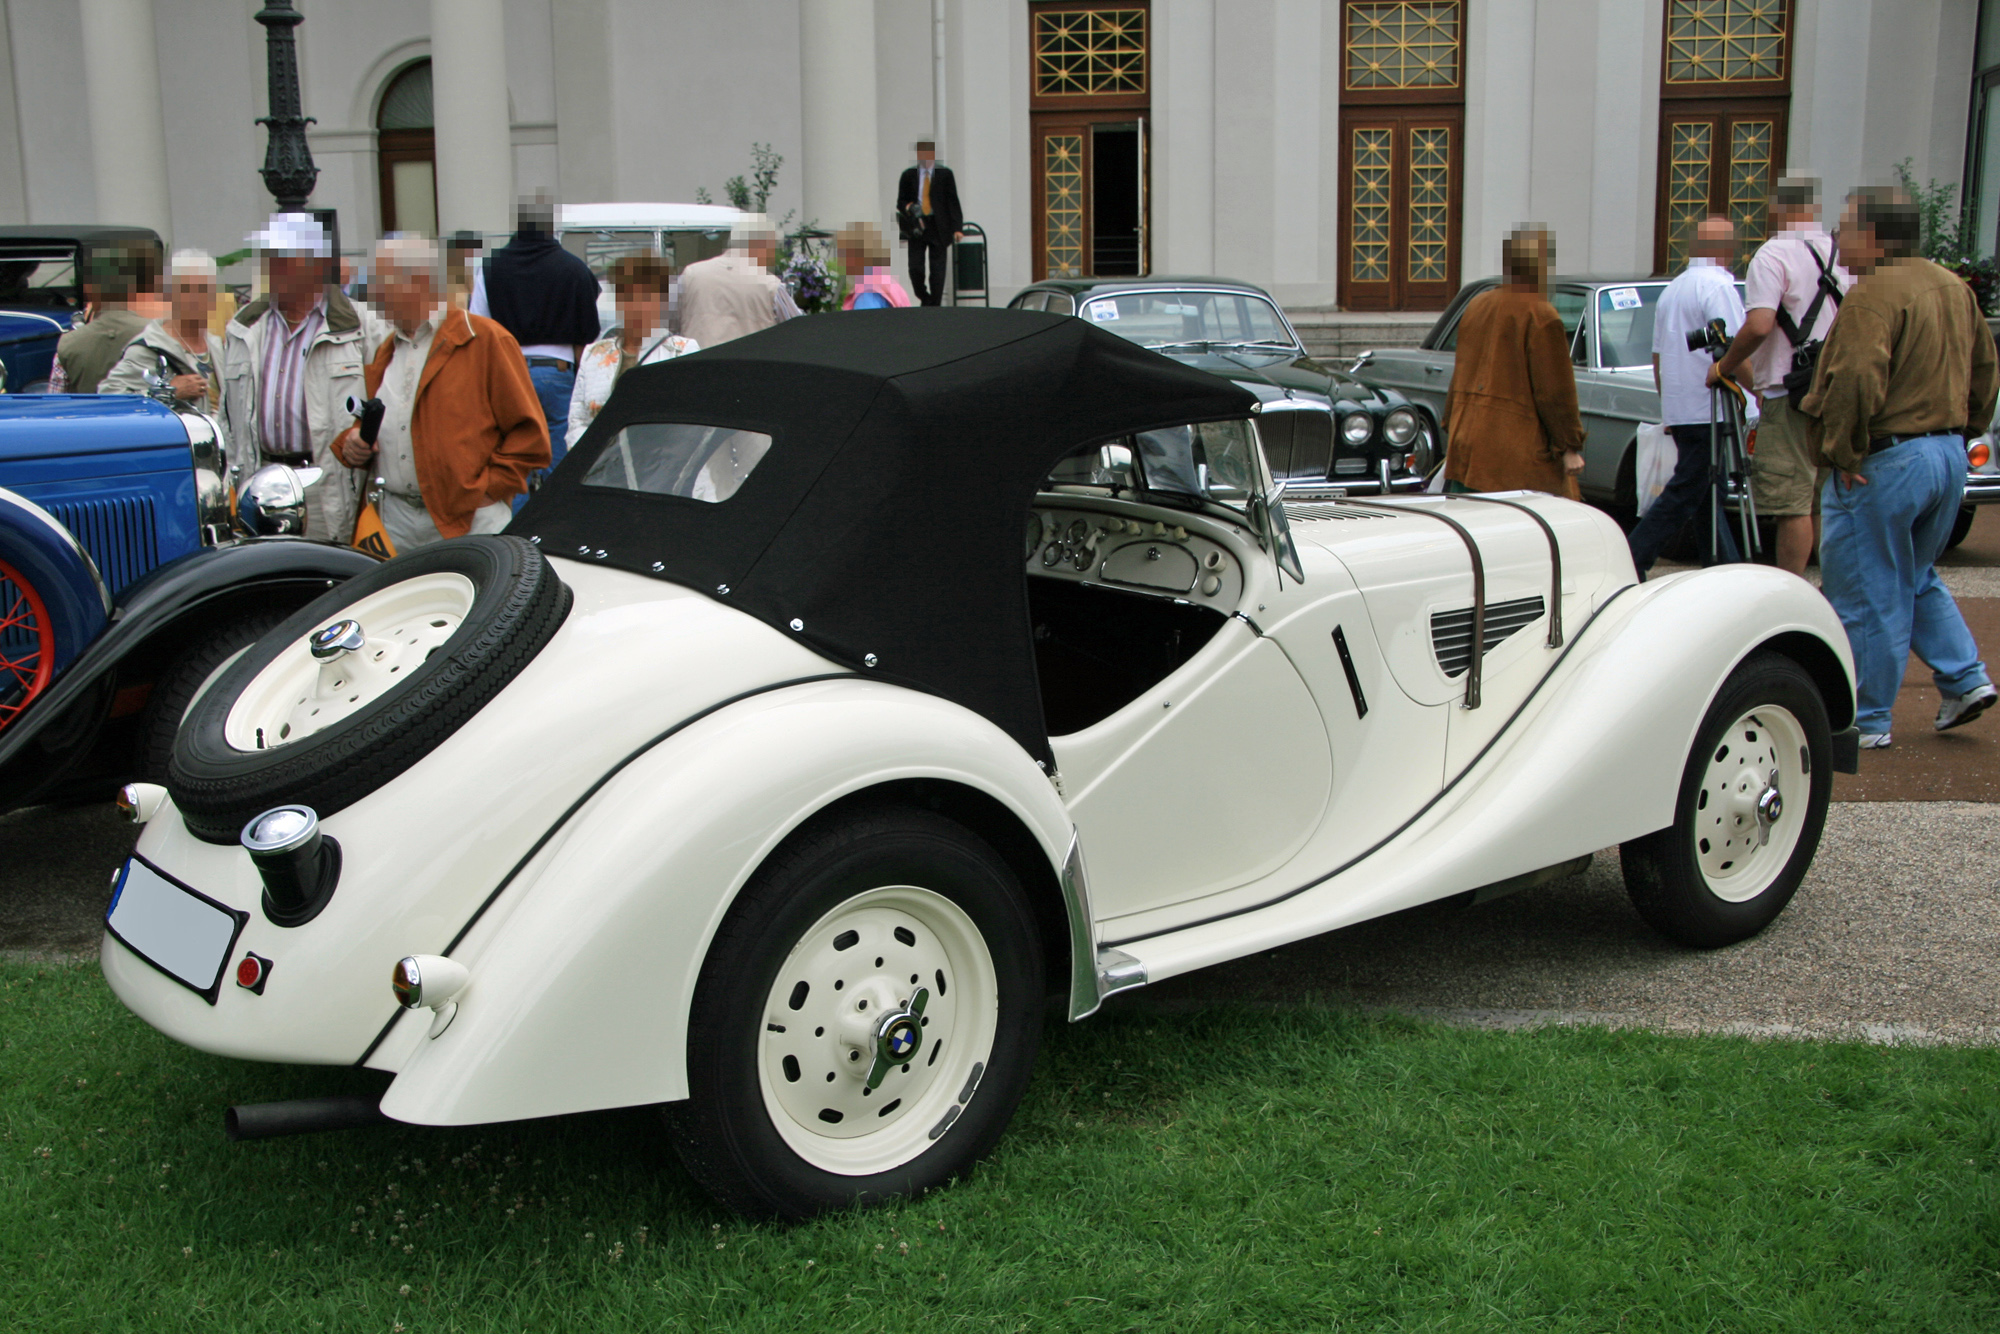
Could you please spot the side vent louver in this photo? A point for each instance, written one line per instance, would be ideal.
(1451, 631)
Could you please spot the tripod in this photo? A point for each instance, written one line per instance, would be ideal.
(1729, 461)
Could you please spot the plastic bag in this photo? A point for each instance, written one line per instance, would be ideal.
(1657, 457)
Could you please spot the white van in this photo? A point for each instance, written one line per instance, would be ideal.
(600, 234)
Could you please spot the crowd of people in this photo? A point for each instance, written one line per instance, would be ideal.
(1865, 368)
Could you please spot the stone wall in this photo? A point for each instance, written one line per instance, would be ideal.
(1339, 336)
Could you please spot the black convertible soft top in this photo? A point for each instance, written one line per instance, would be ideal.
(887, 518)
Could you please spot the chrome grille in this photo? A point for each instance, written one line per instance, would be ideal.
(118, 531)
(1451, 631)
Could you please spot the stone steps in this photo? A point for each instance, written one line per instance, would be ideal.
(1339, 336)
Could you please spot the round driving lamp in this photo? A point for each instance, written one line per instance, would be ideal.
(299, 865)
(1400, 426)
(1356, 428)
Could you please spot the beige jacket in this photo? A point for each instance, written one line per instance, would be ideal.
(727, 297)
(334, 366)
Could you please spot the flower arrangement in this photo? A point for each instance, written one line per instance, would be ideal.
(812, 281)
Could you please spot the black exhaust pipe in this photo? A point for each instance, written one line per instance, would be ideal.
(301, 1116)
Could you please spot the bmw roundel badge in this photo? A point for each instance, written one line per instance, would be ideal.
(902, 1038)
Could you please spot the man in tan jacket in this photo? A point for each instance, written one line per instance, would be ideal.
(735, 293)
(461, 428)
(1511, 420)
(1907, 371)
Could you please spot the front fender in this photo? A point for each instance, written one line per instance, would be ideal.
(173, 591)
(48, 555)
(584, 969)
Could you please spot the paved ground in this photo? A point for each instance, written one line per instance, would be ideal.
(1894, 936)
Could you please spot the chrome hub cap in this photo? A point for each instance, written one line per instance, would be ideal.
(1742, 840)
(342, 668)
(876, 1030)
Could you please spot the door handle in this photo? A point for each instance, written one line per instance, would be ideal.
(1433, 370)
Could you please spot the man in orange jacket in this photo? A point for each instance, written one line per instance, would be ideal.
(461, 428)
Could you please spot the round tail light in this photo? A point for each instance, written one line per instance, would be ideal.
(1980, 454)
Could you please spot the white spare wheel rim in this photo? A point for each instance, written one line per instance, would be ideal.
(842, 1001)
(1750, 809)
(347, 664)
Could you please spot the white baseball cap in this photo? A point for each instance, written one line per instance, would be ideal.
(293, 234)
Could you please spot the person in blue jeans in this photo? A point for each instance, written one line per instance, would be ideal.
(1908, 367)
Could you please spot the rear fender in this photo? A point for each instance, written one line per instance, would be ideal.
(583, 970)
(168, 596)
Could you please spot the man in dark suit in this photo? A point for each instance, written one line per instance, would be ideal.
(928, 216)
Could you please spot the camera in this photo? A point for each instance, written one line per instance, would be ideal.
(1710, 338)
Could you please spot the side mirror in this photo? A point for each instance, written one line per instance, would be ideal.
(273, 502)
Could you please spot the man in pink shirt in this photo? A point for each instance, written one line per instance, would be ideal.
(1790, 293)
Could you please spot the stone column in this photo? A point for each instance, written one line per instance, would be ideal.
(839, 171)
(475, 148)
(128, 137)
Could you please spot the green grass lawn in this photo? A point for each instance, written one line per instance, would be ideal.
(1225, 1170)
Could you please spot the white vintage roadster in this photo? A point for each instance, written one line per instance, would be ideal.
(855, 688)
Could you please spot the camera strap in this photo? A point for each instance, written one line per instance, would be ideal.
(1827, 287)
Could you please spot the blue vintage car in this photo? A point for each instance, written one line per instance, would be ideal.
(125, 583)
(41, 291)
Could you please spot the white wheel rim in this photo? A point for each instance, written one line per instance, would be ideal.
(809, 1065)
(1761, 764)
(298, 695)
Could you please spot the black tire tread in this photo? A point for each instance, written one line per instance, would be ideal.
(711, 1144)
(174, 687)
(218, 789)
(1662, 877)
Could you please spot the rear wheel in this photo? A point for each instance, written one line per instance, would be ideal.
(865, 1020)
(1752, 803)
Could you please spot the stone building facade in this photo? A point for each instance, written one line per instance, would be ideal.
(1361, 153)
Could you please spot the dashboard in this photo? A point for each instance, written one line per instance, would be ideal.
(1143, 555)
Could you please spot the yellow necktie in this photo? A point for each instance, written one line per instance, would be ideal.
(927, 194)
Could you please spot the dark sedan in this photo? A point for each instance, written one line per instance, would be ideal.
(1342, 431)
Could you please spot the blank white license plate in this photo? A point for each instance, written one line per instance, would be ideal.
(183, 933)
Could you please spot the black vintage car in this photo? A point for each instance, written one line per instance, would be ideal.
(1344, 432)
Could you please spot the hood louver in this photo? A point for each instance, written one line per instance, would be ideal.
(1451, 631)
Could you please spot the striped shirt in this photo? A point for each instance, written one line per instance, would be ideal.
(282, 427)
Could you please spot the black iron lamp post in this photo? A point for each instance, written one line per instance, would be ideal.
(289, 172)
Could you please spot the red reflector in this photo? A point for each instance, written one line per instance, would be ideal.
(1979, 454)
(249, 971)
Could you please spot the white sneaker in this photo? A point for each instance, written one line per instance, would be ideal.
(1958, 710)
(1874, 741)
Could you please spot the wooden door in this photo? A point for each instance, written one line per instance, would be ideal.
(1401, 172)
(1720, 158)
(1090, 196)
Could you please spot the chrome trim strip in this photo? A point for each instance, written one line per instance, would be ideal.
(1118, 971)
(1086, 991)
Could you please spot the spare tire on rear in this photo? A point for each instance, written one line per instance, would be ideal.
(440, 632)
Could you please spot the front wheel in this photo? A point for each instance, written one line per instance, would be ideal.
(865, 1020)
(1961, 527)
(1753, 800)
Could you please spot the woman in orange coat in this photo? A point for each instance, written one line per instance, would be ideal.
(1511, 421)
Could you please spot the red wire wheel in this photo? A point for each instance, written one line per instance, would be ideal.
(27, 644)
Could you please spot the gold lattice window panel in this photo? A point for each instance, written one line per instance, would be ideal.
(1750, 180)
(1062, 204)
(1690, 151)
(1368, 208)
(1725, 41)
(1430, 203)
(1403, 44)
(1090, 52)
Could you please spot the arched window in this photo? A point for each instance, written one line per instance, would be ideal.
(407, 150)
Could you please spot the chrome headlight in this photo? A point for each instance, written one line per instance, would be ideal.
(1356, 428)
(1400, 426)
(273, 502)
